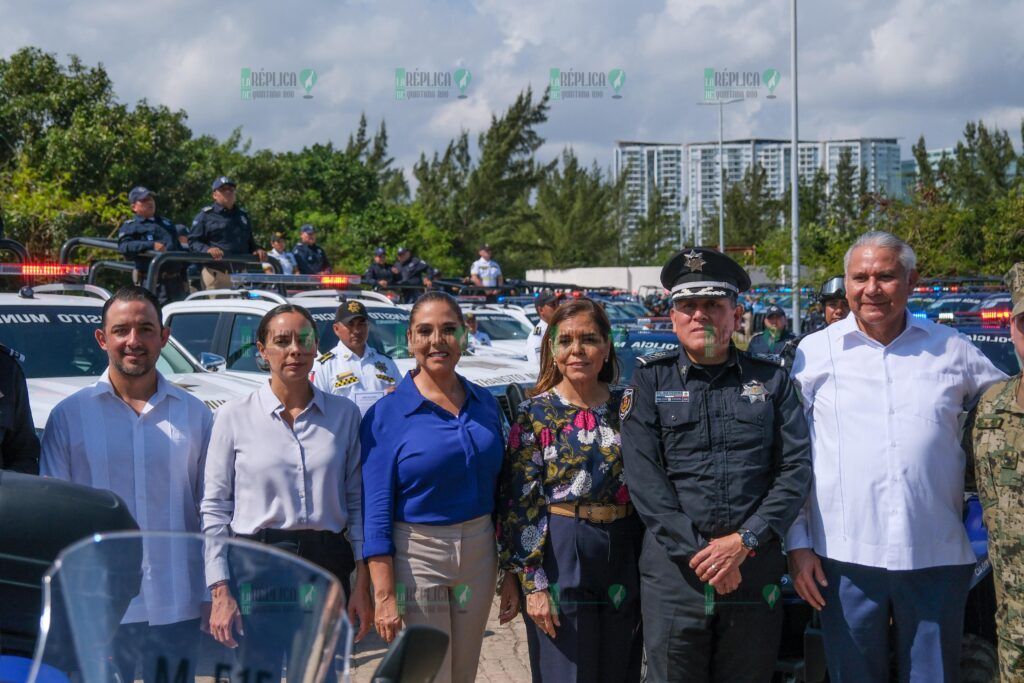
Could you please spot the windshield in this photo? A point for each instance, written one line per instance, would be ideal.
(502, 327)
(387, 331)
(60, 341)
(998, 348)
(953, 304)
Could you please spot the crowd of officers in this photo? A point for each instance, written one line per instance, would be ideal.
(658, 519)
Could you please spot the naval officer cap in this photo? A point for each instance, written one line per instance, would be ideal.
(698, 272)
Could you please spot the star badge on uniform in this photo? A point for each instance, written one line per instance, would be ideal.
(754, 392)
(694, 261)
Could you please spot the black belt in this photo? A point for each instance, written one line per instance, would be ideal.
(292, 536)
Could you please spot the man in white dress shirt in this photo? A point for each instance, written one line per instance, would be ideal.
(353, 368)
(881, 542)
(138, 435)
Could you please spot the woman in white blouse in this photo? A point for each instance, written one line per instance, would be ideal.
(283, 468)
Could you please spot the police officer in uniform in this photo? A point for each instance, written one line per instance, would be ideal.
(380, 272)
(835, 307)
(775, 334)
(222, 228)
(309, 256)
(717, 461)
(411, 272)
(19, 447)
(546, 303)
(149, 232)
(353, 368)
(998, 441)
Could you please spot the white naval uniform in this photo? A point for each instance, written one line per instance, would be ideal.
(342, 373)
(534, 341)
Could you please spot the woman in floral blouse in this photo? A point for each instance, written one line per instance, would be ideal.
(566, 525)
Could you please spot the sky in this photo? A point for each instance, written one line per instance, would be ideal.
(871, 68)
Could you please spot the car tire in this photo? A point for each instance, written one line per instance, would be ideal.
(979, 661)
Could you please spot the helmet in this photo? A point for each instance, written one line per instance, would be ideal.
(834, 288)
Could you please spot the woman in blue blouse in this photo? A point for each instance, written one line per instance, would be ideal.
(432, 451)
(567, 527)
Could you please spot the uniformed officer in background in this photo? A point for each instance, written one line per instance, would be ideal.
(309, 256)
(353, 368)
(150, 232)
(380, 272)
(222, 229)
(285, 258)
(775, 334)
(998, 441)
(545, 303)
(411, 272)
(717, 461)
(19, 447)
(833, 300)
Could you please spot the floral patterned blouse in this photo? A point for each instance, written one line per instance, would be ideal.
(557, 453)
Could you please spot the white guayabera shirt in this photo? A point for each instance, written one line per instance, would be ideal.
(154, 461)
(885, 442)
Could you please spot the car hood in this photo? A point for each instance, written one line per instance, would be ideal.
(486, 371)
(213, 389)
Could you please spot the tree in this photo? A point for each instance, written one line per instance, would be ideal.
(843, 201)
(652, 241)
(750, 211)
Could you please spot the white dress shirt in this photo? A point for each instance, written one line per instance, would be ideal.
(487, 270)
(154, 462)
(534, 341)
(263, 474)
(885, 442)
(342, 373)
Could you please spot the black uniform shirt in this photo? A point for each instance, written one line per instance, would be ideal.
(710, 451)
(377, 272)
(18, 442)
(310, 258)
(139, 234)
(412, 271)
(227, 229)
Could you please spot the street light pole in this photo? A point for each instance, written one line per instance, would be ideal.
(794, 173)
(721, 170)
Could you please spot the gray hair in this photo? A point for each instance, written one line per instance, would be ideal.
(883, 240)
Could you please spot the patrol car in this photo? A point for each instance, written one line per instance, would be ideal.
(52, 326)
(224, 322)
(507, 329)
(632, 342)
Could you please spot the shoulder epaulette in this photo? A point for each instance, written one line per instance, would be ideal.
(8, 351)
(326, 357)
(770, 358)
(657, 357)
(207, 208)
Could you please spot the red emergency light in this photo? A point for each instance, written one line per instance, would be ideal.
(44, 269)
(339, 280)
(996, 316)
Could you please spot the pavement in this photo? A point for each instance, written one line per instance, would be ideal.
(504, 657)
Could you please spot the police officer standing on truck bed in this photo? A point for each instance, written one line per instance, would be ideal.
(19, 447)
(149, 232)
(717, 460)
(309, 256)
(222, 229)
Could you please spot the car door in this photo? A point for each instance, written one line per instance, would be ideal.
(197, 331)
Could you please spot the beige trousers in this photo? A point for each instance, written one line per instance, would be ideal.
(216, 279)
(445, 577)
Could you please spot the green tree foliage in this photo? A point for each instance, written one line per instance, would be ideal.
(750, 211)
(655, 237)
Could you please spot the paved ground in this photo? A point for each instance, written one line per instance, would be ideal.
(504, 658)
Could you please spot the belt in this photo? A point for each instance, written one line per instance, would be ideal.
(600, 514)
(292, 536)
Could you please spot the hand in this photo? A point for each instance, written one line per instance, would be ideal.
(383, 283)
(538, 608)
(726, 582)
(216, 253)
(427, 283)
(509, 605)
(719, 555)
(225, 617)
(159, 246)
(394, 270)
(260, 254)
(806, 572)
(386, 617)
(360, 607)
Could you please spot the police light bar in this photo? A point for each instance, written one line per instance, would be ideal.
(995, 316)
(44, 269)
(272, 279)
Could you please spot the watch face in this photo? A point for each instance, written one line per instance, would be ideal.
(749, 539)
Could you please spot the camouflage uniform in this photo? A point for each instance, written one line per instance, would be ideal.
(998, 436)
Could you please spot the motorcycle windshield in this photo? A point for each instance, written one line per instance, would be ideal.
(133, 606)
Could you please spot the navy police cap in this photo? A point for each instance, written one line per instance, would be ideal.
(139, 193)
(702, 272)
(223, 180)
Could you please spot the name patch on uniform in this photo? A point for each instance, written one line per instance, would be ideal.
(672, 397)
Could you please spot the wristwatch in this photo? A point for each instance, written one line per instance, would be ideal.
(749, 539)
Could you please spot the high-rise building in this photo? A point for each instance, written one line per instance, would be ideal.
(880, 156)
(650, 165)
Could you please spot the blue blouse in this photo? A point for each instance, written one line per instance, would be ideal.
(423, 465)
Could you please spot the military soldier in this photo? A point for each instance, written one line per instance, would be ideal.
(309, 256)
(19, 447)
(149, 232)
(998, 436)
(717, 460)
(220, 229)
(353, 368)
